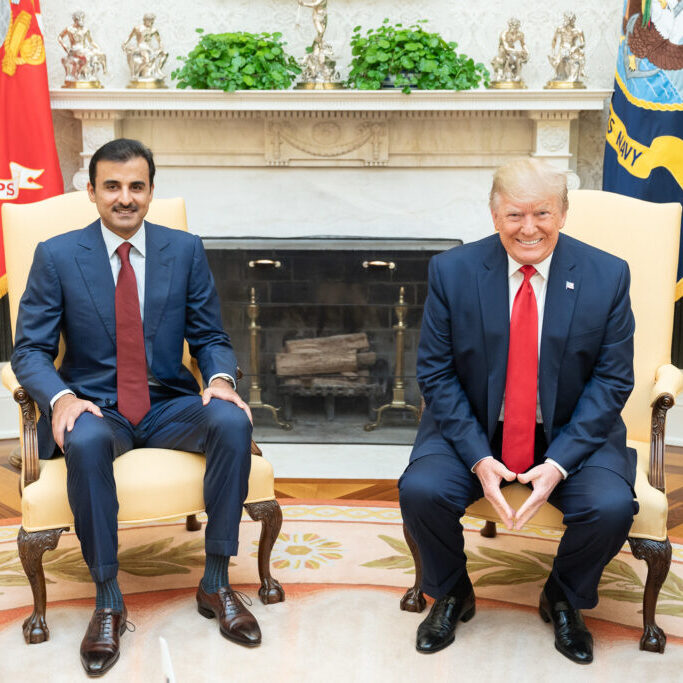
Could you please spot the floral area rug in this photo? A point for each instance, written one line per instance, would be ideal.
(331, 634)
(353, 543)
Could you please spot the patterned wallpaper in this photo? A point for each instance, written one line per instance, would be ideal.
(474, 26)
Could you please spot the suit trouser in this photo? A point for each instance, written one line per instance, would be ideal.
(598, 507)
(220, 430)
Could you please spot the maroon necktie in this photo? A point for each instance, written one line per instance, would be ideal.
(519, 424)
(131, 363)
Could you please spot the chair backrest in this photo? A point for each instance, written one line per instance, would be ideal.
(646, 235)
(25, 225)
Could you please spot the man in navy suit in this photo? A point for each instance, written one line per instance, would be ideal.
(526, 351)
(125, 294)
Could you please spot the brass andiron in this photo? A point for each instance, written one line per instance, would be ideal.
(255, 388)
(399, 393)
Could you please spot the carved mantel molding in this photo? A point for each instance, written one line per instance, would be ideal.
(481, 128)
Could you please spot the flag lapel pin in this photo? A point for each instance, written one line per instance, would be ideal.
(569, 285)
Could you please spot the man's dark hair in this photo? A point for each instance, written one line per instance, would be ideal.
(121, 149)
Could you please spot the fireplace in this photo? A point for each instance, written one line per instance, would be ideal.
(276, 293)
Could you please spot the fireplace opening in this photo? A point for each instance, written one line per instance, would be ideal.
(326, 332)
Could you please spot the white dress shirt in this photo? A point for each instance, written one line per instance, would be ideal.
(137, 259)
(112, 242)
(538, 282)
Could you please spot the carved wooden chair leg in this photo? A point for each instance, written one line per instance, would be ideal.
(488, 530)
(192, 523)
(269, 514)
(657, 554)
(413, 600)
(32, 545)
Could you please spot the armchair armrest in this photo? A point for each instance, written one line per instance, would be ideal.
(30, 471)
(668, 380)
(668, 384)
(9, 379)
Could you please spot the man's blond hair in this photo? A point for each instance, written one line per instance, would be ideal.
(528, 180)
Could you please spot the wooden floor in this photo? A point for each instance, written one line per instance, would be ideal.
(343, 489)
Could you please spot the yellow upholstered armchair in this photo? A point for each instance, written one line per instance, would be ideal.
(647, 236)
(151, 483)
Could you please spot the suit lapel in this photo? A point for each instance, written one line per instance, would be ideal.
(158, 271)
(564, 283)
(93, 263)
(492, 282)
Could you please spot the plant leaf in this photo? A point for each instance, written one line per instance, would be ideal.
(391, 562)
(622, 595)
(396, 544)
(670, 610)
(508, 577)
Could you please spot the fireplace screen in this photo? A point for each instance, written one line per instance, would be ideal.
(326, 338)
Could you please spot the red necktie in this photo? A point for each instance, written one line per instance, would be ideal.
(131, 363)
(519, 424)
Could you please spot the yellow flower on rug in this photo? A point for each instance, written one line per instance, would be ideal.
(302, 551)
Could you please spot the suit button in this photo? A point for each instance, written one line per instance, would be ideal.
(108, 402)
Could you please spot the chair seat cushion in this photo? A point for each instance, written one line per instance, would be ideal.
(151, 483)
(650, 522)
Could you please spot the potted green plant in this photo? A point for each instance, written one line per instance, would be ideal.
(237, 61)
(410, 58)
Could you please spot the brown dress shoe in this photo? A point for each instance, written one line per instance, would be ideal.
(235, 620)
(100, 645)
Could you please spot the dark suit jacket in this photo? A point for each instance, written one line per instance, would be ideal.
(585, 365)
(70, 289)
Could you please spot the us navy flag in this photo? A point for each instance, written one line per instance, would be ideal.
(644, 141)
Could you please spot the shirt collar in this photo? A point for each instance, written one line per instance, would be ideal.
(112, 241)
(542, 268)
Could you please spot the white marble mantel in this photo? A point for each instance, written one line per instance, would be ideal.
(328, 100)
(342, 163)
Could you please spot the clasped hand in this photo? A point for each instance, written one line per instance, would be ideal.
(544, 478)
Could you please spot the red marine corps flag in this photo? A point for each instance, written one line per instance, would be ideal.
(29, 167)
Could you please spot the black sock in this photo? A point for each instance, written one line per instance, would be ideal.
(462, 587)
(553, 590)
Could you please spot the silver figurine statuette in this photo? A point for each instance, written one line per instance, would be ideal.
(146, 55)
(512, 54)
(567, 55)
(83, 62)
(319, 69)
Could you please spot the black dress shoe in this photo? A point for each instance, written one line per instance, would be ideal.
(100, 646)
(572, 638)
(437, 631)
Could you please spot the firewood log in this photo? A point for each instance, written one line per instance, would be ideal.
(337, 343)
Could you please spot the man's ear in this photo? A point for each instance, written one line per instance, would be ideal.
(151, 192)
(91, 192)
(494, 218)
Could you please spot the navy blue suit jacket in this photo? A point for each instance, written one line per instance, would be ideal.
(70, 290)
(585, 364)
